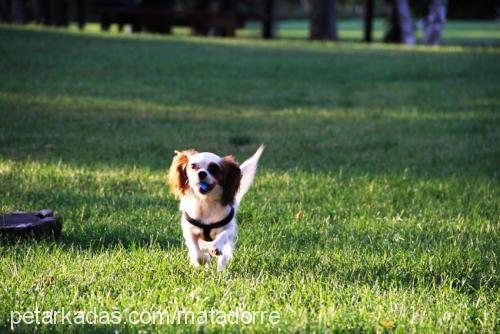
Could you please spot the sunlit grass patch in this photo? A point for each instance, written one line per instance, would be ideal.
(375, 207)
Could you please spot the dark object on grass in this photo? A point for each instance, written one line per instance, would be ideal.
(240, 140)
(37, 223)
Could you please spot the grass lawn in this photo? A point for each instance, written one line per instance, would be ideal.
(472, 33)
(455, 32)
(376, 207)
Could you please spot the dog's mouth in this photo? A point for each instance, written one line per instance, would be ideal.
(205, 188)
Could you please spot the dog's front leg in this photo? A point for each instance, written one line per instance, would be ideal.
(223, 249)
(227, 254)
(195, 256)
(218, 244)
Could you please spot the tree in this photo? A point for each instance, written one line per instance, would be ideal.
(268, 20)
(401, 29)
(435, 22)
(368, 24)
(17, 11)
(323, 20)
(4, 11)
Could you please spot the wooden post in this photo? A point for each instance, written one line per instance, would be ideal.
(368, 21)
(268, 20)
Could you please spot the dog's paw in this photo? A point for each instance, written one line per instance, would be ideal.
(197, 260)
(214, 251)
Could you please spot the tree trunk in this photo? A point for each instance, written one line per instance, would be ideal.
(368, 20)
(201, 28)
(167, 5)
(17, 11)
(268, 20)
(407, 36)
(226, 7)
(37, 14)
(60, 13)
(4, 11)
(435, 22)
(81, 12)
(401, 29)
(323, 21)
(46, 12)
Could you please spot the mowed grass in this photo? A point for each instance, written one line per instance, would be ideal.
(376, 206)
(455, 32)
(471, 33)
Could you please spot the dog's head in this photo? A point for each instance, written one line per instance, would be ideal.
(206, 175)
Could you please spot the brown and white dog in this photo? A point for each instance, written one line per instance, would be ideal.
(210, 189)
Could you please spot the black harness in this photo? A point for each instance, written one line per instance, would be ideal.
(209, 227)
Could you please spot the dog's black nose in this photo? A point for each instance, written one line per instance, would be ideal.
(202, 175)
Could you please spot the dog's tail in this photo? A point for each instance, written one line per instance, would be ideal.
(248, 169)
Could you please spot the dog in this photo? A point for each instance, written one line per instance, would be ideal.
(210, 189)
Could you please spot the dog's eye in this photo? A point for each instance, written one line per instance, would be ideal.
(194, 166)
(214, 169)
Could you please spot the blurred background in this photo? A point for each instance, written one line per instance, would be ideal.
(408, 22)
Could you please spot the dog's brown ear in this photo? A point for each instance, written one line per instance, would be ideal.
(177, 175)
(231, 177)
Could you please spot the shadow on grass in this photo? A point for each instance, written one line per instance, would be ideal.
(233, 74)
(98, 239)
(99, 103)
(101, 222)
(103, 100)
(391, 255)
(323, 141)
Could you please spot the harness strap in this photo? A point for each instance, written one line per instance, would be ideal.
(209, 227)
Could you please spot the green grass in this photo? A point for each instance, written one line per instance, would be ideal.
(455, 32)
(486, 33)
(376, 207)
